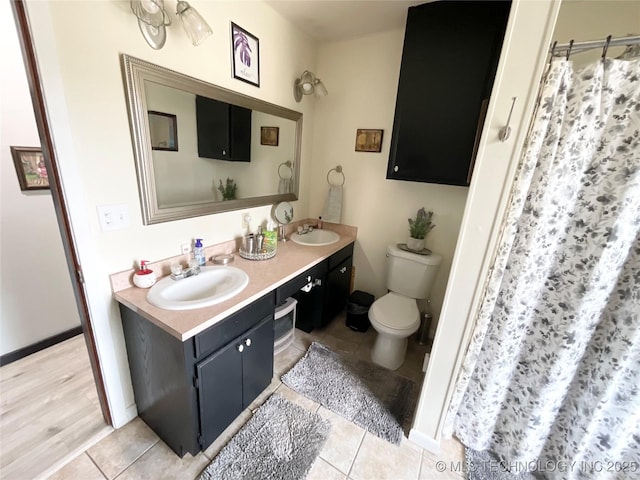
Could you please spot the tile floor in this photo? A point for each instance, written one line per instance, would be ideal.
(135, 452)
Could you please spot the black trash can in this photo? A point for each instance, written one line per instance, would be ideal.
(358, 311)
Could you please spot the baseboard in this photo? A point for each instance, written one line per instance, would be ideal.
(41, 345)
(424, 441)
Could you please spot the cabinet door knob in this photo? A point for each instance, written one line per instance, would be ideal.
(395, 169)
(247, 342)
(224, 152)
(240, 348)
(343, 269)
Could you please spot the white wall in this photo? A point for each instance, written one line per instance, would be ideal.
(362, 79)
(80, 64)
(36, 297)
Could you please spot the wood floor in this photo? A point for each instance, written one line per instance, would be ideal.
(49, 410)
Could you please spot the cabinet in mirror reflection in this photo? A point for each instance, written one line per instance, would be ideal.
(220, 144)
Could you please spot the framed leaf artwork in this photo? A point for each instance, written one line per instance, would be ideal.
(246, 55)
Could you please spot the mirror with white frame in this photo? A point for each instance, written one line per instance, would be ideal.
(184, 173)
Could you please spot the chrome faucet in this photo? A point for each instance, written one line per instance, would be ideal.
(178, 272)
(306, 228)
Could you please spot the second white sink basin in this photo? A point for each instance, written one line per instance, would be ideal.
(317, 238)
(213, 285)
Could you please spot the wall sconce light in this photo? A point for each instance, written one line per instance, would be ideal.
(153, 20)
(307, 84)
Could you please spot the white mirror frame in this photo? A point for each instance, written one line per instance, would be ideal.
(136, 72)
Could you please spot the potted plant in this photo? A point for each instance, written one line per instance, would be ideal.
(228, 191)
(418, 229)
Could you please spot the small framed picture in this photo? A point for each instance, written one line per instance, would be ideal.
(245, 55)
(32, 173)
(163, 128)
(368, 140)
(269, 136)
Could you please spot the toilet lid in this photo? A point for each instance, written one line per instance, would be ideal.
(395, 311)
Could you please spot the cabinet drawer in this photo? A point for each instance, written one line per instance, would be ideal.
(292, 286)
(236, 324)
(339, 257)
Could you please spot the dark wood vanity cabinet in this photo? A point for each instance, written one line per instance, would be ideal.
(189, 392)
(449, 60)
(224, 130)
(331, 280)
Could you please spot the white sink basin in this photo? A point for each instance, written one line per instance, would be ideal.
(213, 285)
(317, 238)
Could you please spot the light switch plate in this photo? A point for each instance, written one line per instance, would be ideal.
(113, 217)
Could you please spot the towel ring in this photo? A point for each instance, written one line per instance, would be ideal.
(288, 165)
(337, 169)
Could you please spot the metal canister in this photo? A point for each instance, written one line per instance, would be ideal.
(249, 244)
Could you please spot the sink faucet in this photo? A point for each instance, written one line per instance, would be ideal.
(178, 272)
(306, 228)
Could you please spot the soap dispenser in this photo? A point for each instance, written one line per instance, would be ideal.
(198, 252)
(144, 277)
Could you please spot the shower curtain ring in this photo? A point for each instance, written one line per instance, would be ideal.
(569, 49)
(606, 47)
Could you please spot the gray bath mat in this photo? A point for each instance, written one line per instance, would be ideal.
(280, 441)
(486, 466)
(372, 397)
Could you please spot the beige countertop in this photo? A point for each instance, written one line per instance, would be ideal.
(290, 261)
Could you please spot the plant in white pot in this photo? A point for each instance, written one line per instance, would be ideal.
(418, 229)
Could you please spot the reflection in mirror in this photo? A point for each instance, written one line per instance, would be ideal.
(223, 161)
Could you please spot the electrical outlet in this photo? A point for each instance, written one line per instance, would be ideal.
(185, 248)
(246, 220)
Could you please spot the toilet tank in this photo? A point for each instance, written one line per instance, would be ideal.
(411, 274)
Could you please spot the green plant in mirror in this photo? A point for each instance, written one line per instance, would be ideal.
(228, 190)
(421, 224)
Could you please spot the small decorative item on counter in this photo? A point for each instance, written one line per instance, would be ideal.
(261, 246)
(198, 252)
(271, 237)
(144, 277)
(418, 229)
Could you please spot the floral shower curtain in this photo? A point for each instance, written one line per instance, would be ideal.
(552, 373)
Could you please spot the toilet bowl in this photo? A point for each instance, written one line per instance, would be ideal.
(395, 316)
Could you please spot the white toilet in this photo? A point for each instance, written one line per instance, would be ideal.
(395, 316)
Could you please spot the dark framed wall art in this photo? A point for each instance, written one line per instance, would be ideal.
(30, 168)
(163, 128)
(245, 55)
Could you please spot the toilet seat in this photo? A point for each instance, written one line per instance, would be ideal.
(395, 312)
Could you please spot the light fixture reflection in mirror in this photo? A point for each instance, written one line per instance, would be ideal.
(175, 184)
(307, 84)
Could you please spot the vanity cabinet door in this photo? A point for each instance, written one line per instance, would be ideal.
(219, 379)
(337, 290)
(449, 60)
(232, 377)
(257, 360)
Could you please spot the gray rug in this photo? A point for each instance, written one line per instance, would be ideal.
(372, 397)
(280, 441)
(486, 466)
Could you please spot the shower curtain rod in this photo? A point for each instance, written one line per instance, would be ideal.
(562, 48)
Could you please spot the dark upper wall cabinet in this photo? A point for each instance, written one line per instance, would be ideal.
(449, 60)
(224, 130)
